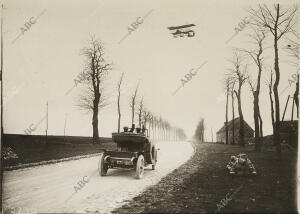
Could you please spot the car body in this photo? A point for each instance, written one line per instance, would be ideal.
(134, 151)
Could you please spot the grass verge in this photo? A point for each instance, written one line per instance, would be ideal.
(203, 182)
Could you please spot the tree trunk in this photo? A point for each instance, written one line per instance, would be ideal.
(232, 104)
(226, 123)
(256, 121)
(95, 122)
(241, 128)
(272, 105)
(275, 90)
(296, 94)
(140, 119)
(119, 113)
(132, 114)
(149, 128)
(257, 117)
(260, 127)
(145, 121)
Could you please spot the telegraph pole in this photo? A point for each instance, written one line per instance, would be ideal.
(1, 72)
(1, 79)
(65, 127)
(47, 121)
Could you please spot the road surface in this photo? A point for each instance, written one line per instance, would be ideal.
(55, 188)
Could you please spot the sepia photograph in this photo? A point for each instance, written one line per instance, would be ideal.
(171, 106)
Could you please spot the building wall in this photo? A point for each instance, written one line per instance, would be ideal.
(221, 136)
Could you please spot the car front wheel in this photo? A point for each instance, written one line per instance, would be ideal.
(139, 170)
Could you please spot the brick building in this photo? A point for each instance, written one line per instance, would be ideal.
(248, 132)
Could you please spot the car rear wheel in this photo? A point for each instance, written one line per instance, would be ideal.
(102, 167)
(139, 170)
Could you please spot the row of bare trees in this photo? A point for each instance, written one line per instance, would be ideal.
(161, 129)
(92, 98)
(276, 23)
(199, 133)
(157, 127)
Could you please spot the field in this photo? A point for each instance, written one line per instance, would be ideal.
(33, 148)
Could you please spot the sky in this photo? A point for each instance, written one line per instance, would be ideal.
(41, 63)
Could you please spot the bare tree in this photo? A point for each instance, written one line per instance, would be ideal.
(199, 133)
(232, 106)
(160, 127)
(279, 22)
(150, 127)
(145, 116)
(163, 127)
(257, 118)
(239, 76)
(140, 111)
(296, 95)
(180, 134)
(256, 55)
(168, 130)
(227, 87)
(119, 96)
(154, 128)
(132, 103)
(270, 85)
(260, 127)
(93, 75)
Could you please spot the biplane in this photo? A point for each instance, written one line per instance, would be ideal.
(183, 30)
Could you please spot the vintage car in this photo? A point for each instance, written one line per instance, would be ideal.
(134, 151)
(241, 165)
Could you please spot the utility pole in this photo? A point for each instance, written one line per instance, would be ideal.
(212, 136)
(1, 74)
(292, 117)
(287, 101)
(65, 127)
(47, 121)
(1, 78)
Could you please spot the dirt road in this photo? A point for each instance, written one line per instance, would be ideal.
(51, 188)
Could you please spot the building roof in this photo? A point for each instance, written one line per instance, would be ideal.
(236, 125)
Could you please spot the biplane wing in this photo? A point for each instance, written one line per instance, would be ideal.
(182, 26)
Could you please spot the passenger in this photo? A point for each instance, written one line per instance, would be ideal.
(132, 128)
